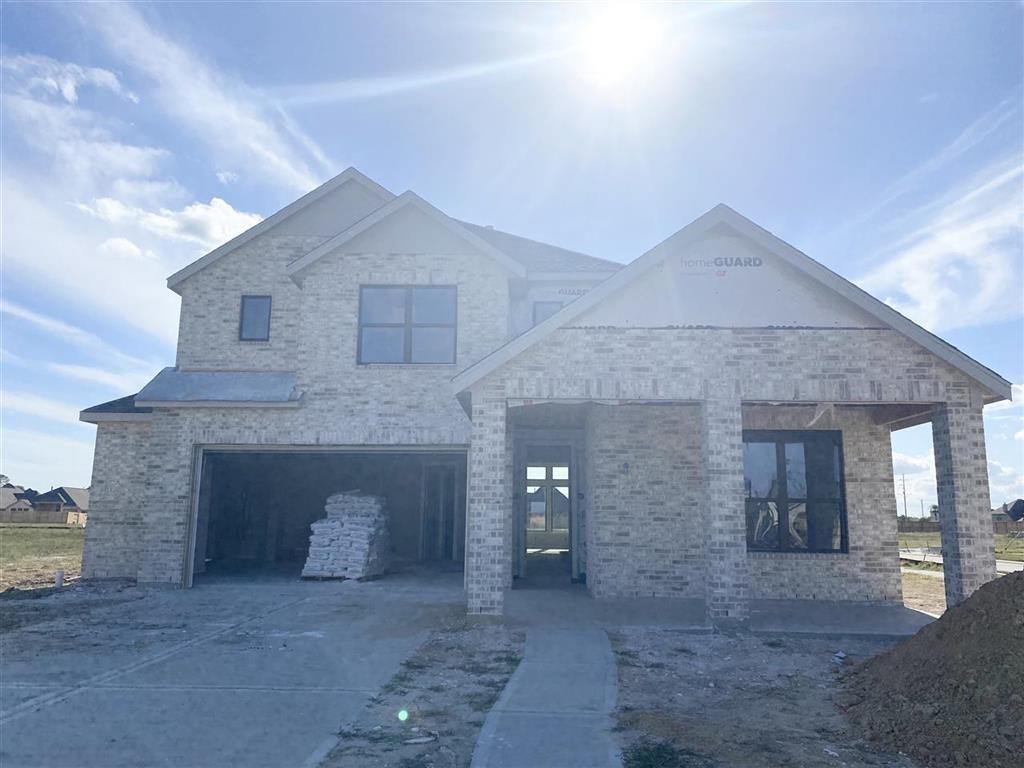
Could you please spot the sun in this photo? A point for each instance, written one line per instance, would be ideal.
(620, 46)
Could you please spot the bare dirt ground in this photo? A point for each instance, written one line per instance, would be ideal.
(431, 712)
(924, 592)
(744, 701)
(75, 604)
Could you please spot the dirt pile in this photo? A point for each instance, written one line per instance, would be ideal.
(953, 694)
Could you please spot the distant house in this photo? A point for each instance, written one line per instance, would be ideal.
(16, 504)
(64, 505)
(1009, 512)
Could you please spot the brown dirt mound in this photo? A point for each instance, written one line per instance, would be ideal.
(953, 694)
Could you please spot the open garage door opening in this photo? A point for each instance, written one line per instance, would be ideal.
(254, 508)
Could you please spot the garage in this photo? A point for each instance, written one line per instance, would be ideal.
(254, 508)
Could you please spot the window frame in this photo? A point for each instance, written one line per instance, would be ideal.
(407, 325)
(780, 438)
(241, 316)
(549, 483)
(537, 302)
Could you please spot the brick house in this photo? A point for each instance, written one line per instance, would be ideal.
(709, 421)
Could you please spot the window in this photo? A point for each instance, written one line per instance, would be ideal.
(542, 310)
(407, 324)
(547, 497)
(795, 500)
(254, 324)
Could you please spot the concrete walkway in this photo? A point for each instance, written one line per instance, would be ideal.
(555, 711)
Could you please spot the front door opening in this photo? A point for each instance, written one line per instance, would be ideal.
(547, 483)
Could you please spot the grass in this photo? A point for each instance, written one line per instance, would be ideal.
(30, 554)
(1006, 548)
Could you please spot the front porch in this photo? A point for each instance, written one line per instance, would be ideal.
(662, 506)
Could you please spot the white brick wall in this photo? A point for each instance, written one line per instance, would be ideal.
(142, 487)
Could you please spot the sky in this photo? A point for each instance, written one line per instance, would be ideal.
(884, 140)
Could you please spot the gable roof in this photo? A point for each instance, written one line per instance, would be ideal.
(543, 257)
(11, 495)
(723, 214)
(66, 495)
(349, 174)
(404, 200)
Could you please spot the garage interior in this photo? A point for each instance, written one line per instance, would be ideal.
(254, 508)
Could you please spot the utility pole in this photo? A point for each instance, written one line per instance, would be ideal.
(922, 508)
(903, 478)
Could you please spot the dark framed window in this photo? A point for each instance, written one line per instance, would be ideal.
(795, 493)
(542, 310)
(254, 323)
(407, 324)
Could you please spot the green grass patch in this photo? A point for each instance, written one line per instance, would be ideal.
(31, 554)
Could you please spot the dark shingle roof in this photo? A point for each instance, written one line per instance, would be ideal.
(124, 404)
(72, 497)
(541, 257)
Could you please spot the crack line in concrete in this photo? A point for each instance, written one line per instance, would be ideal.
(48, 699)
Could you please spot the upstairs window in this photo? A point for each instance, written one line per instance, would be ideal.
(542, 310)
(255, 320)
(407, 324)
(795, 499)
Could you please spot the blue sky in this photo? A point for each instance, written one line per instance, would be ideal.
(885, 140)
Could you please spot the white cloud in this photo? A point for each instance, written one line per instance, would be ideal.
(119, 382)
(208, 224)
(77, 337)
(227, 177)
(960, 267)
(61, 78)
(40, 407)
(122, 248)
(238, 123)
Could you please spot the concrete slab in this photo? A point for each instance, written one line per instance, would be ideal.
(574, 608)
(115, 727)
(230, 673)
(835, 617)
(525, 740)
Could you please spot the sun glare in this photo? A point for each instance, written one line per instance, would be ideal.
(619, 47)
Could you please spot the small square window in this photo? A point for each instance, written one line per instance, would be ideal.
(255, 319)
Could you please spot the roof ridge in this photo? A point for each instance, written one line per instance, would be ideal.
(541, 242)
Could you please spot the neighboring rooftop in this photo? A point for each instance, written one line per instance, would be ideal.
(67, 495)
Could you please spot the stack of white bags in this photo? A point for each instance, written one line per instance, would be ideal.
(352, 542)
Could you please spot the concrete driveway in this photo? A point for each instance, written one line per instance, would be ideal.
(229, 673)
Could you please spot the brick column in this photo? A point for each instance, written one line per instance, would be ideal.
(487, 501)
(965, 518)
(725, 551)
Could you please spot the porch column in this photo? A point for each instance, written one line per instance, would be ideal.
(487, 503)
(965, 517)
(727, 576)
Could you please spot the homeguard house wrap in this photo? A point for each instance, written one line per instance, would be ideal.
(710, 421)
